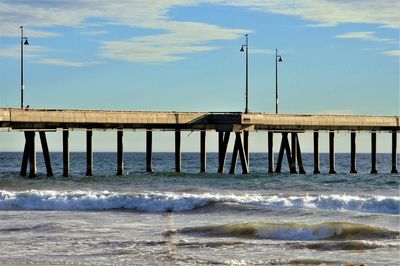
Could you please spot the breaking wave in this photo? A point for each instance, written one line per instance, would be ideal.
(169, 201)
(295, 231)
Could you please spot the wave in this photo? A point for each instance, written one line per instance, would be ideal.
(294, 231)
(169, 201)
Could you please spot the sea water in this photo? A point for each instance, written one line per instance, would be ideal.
(192, 218)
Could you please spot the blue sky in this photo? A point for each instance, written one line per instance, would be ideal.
(339, 57)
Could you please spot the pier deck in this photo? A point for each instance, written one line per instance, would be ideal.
(42, 119)
(32, 120)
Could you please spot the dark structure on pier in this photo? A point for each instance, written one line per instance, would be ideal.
(31, 121)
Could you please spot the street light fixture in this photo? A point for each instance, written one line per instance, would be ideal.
(246, 110)
(276, 79)
(22, 63)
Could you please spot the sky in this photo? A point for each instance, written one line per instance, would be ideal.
(339, 57)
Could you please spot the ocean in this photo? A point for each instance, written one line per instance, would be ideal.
(192, 218)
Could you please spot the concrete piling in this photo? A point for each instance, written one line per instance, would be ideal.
(316, 152)
(394, 152)
(66, 163)
(223, 146)
(203, 158)
(89, 152)
(353, 169)
(120, 152)
(178, 151)
(373, 153)
(46, 154)
(270, 152)
(332, 152)
(149, 151)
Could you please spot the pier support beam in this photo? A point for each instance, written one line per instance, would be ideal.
(239, 149)
(32, 155)
(394, 152)
(46, 154)
(25, 156)
(89, 152)
(246, 146)
(294, 154)
(120, 152)
(203, 159)
(299, 157)
(177, 150)
(332, 152)
(316, 153)
(270, 152)
(353, 169)
(223, 140)
(373, 153)
(149, 151)
(66, 164)
(284, 147)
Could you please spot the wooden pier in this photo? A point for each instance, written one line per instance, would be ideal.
(31, 121)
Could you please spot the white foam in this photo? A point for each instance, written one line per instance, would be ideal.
(169, 201)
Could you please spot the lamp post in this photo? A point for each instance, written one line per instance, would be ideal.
(276, 79)
(22, 63)
(246, 110)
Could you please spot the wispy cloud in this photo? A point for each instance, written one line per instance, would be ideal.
(178, 38)
(262, 51)
(362, 35)
(62, 62)
(392, 53)
(94, 33)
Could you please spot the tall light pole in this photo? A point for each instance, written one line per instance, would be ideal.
(22, 63)
(246, 110)
(276, 79)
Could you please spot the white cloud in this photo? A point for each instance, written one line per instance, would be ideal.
(362, 35)
(392, 53)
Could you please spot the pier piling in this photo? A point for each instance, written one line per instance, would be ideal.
(270, 152)
(223, 139)
(316, 153)
(246, 146)
(178, 151)
(294, 154)
(120, 152)
(46, 154)
(238, 149)
(332, 152)
(284, 147)
(89, 152)
(394, 152)
(353, 169)
(203, 158)
(32, 155)
(25, 156)
(373, 153)
(149, 151)
(66, 163)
